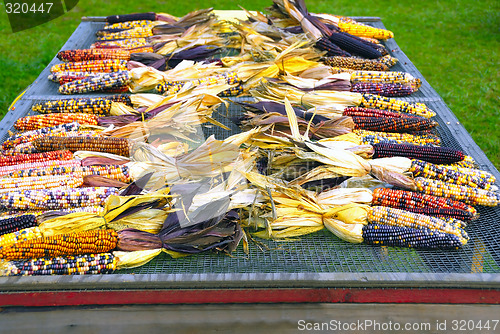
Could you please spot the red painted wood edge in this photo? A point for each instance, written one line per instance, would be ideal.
(227, 296)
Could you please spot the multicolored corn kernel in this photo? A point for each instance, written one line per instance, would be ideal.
(410, 200)
(94, 66)
(444, 213)
(115, 172)
(467, 162)
(397, 217)
(40, 182)
(88, 242)
(92, 54)
(114, 145)
(36, 157)
(362, 30)
(386, 103)
(355, 63)
(127, 44)
(88, 264)
(55, 199)
(92, 105)
(468, 195)
(29, 136)
(49, 120)
(388, 77)
(10, 239)
(375, 137)
(383, 89)
(370, 112)
(388, 60)
(67, 76)
(438, 155)
(390, 124)
(106, 82)
(137, 32)
(7, 170)
(441, 172)
(14, 224)
(418, 238)
(128, 24)
(172, 87)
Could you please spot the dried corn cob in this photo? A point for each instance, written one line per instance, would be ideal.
(94, 66)
(375, 137)
(389, 124)
(67, 76)
(120, 146)
(109, 81)
(92, 54)
(357, 111)
(432, 171)
(36, 182)
(138, 32)
(41, 164)
(385, 103)
(14, 224)
(443, 213)
(410, 200)
(397, 217)
(335, 70)
(50, 120)
(37, 157)
(55, 199)
(356, 63)
(355, 45)
(173, 87)
(88, 242)
(120, 173)
(397, 236)
(468, 195)
(233, 91)
(128, 24)
(362, 30)
(486, 177)
(103, 263)
(28, 136)
(426, 153)
(332, 49)
(384, 89)
(385, 77)
(93, 105)
(129, 43)
(29, 233)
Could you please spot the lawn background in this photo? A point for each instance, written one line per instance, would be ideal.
(454, 44)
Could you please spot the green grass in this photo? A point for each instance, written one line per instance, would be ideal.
(454, 44)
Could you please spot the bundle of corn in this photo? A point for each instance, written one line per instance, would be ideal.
(91, 105)
(44, 121)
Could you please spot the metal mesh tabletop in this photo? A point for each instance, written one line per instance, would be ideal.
(320, 256)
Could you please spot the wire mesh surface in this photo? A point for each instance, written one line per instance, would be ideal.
(321, 252)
